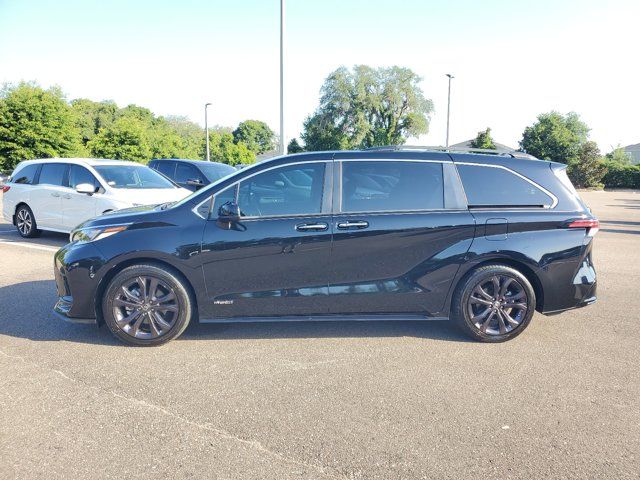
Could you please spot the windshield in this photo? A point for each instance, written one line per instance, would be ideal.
(132, 176)
(216, 172)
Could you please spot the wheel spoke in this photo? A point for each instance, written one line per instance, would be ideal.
(480, 301)
(505, 286)
(485, 325)
(481, 316)
(123, 322)
(127, 293)
(501, 324)
(166, 308)
(126, 303)
(142, 284)
(153, 329)
(153, 287)
(480, 291)
(135, 328)
(496, 285)
(169, 296)
(158, 318)
(519, 306)
(509, 319)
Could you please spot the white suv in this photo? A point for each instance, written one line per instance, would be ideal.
(57, 194)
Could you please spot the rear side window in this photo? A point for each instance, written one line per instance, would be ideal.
(52, 174)
(391, 186)
(497, 187)
(25, 175)
(185, 172)
(166, 168)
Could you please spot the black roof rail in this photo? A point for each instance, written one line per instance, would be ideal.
(392, 148)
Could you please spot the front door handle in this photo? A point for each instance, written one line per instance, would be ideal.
(66, 195)
(55, 194)
(360, 224)
(315, 227)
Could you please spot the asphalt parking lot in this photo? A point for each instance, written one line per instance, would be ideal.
(324, 400)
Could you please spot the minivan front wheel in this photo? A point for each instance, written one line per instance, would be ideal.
(26, 222)
(147, 305)
(494, 303)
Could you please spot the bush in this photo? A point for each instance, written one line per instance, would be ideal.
(621, 176)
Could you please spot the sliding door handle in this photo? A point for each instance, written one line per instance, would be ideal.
(311, 227)
(55, 194)
(360, 224)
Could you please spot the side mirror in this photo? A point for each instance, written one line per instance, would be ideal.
(229, 212)
(85, 188)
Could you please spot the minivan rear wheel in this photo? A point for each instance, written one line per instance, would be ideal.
(26, 222)
(494, 303)
(147, 305)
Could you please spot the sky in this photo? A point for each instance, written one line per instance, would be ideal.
(512, 60)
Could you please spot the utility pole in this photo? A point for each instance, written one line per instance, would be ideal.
(282, 139)
(448, 107)
(206, 129)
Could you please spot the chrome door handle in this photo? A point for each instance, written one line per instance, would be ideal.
(316, 227)
(67, 195)
(347, 225)
(55, 194)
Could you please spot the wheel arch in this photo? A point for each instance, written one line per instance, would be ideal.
(106, 279)
(522, 267)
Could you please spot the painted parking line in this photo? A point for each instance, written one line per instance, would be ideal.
(29, 245)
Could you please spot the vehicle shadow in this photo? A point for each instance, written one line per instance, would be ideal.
(25, 312)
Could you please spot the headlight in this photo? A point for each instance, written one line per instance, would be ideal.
(95, 233)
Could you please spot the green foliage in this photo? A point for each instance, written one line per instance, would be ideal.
(191, 135)
(294, 146)
(555, 137)
(35, 123)
(256, 135)
(621, 176)
(618, 155)
(125, 139)
(587, 169)
(367, 107)
(91, 117)
(483, 140)
(224, 150)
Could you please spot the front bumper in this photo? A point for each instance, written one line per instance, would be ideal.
(77, 269)
(62, 309)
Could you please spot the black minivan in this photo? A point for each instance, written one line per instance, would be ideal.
(191, 174)
(384, 234)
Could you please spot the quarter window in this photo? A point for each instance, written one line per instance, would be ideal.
(52, 174)
(497, 187)
(25, 175)
(391, 186)
(289, 190)
(186, 172)
(166, 168)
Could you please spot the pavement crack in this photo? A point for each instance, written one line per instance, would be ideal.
(202, 426)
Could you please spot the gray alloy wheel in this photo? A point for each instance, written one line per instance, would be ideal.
(26, 222)
(147, 305)
(493, 303)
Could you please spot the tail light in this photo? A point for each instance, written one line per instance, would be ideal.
(5, 188)
(591, 224)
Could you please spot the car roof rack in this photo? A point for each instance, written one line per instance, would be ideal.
(395, 148)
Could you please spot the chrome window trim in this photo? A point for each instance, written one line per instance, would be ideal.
(544, 190)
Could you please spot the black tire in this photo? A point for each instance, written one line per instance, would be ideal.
(157, 321)
(26, 222)
(490, 312)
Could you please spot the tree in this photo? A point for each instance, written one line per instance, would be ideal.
(125, 139)
(555, 137)
(224, 150)
(35, 123)
(191, 135)
(294, 146)
(367, 107)
(91, 117)
(587, 170)
(618, 155)
(256, 135)
(483, 140)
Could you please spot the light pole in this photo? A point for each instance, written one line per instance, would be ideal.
(206, 129)
(282, 139)
(448, 107)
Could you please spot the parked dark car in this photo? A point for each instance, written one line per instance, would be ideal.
(387, 234)
(191, 174)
